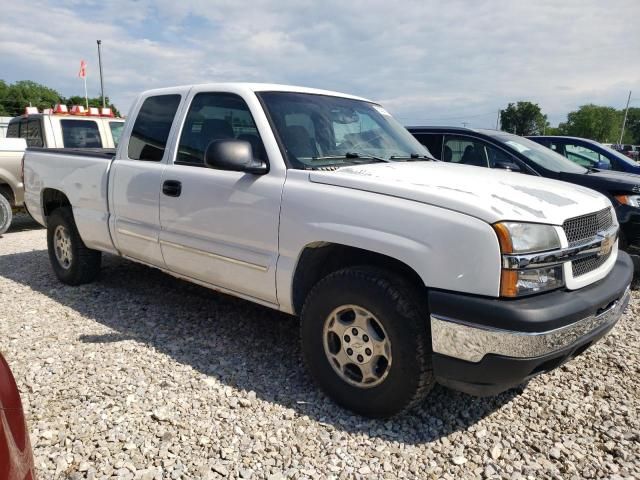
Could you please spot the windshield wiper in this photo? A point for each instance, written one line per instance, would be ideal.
(412, 157)
(350, 156)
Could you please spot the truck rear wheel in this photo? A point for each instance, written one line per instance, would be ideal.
(365, 340)
(72, 262)
(6, 214)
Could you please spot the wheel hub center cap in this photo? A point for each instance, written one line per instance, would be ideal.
(357, 345)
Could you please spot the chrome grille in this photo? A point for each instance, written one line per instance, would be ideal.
(586, 227)
(589, 264)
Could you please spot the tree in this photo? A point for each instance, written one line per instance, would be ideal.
(93, 102)
(523, 118)
(632, 129)
(14, 98)
(594, 122)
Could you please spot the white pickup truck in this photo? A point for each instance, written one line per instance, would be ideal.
(47, 130)
(405, 271)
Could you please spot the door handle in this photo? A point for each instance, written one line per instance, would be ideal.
(172, 188)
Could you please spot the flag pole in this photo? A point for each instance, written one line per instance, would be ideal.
(86, 97)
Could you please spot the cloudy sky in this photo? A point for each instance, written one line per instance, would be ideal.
(430, 62)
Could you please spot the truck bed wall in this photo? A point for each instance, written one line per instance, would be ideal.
(83, 179)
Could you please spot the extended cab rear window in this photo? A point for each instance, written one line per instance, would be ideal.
(80, 134)
(151, 129)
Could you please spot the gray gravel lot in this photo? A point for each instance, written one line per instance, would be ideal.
(140, 375)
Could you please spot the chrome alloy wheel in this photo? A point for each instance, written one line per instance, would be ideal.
(357, 346)
(62, 246)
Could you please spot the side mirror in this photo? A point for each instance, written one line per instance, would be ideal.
(233, 155)
(513, 167)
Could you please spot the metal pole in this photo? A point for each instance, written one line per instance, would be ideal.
(498, 121)
(101, 78)
(86, 98)
(625, 118)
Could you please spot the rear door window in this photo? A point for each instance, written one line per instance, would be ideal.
(80, 134)
(152, 126)
(432, 141)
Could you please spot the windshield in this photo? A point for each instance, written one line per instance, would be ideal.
(322, 131)
(116, 131)
(540, 155)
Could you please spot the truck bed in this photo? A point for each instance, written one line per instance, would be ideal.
(82, 175)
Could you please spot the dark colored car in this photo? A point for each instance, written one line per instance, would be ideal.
(496, 149)
(589, 153)
(16, 457)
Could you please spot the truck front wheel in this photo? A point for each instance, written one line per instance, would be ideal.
(365, 341)
(72, 262)
(6, 214)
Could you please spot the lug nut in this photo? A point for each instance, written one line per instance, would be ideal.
(355, 332)
(349, 351)
(360, 358)
(365, 338)
(368, 351)
(347, 338)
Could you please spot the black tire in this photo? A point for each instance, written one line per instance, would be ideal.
(6, 214)
(84, 263)
(402, 313)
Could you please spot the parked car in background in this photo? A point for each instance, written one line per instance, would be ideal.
(496, 149)
(588, 153)
(54, 129)
(405, 271)
(16, 457)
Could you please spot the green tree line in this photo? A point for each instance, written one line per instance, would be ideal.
(596, 122)
(16, 96)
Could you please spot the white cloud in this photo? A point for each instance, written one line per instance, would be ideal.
(428, 61)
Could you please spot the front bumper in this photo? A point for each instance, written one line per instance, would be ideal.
(484, 346)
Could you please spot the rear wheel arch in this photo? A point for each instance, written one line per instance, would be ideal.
(53, 199)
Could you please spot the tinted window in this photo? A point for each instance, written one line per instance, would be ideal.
(33, 133)
(151, 129)
(13, 130)
(433, 142)
(80, 134)
(116, 131)
(216, 116)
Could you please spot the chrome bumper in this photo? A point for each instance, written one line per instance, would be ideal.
(471, 343)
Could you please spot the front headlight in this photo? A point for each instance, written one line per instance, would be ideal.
(522, 239)
(631, 200)
(526, 237)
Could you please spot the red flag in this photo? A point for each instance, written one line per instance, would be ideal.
(83, 69)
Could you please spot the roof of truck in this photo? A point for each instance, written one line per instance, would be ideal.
(255, 87)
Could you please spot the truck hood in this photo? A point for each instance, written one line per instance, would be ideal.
(490, 195)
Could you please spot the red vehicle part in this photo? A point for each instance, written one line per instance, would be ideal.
(16, 457)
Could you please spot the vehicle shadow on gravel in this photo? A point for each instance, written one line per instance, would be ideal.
(241, 344)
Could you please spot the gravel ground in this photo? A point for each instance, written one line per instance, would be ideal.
(140, 375)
